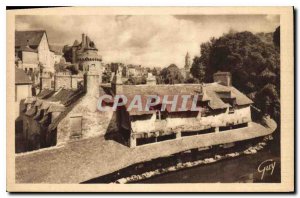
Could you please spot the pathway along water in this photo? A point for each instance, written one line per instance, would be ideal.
(241, 169)
(234, 165)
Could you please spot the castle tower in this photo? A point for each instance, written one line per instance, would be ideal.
(90, 64)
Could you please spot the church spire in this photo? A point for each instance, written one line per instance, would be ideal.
(187, 65)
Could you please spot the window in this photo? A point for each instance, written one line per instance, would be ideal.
(76, 125)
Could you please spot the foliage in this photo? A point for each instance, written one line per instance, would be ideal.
(136, 80)
(198, 70)
(276, 37)
(171, 75)
(253, 63)
(192, 81)
(106, 76)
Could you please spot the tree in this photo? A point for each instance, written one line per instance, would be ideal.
(252, 63)
(171, 75)
(276, 37)
(192, 81)
(198, 69)
(136, 80)
(154, 72)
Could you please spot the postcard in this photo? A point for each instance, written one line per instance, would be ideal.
(150, 99)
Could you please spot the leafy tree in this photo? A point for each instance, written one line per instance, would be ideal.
(276, 37)
(198, 69)
(136, 80)
(171, 75)
(154, 72)
(192, 81)
(252, 62)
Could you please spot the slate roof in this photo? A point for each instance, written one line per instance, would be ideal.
(21, 78)
(160, 90)
(45, 93)
(33, 38)
(215, 102)
(56, 49)
(206, 92)
(27, 49)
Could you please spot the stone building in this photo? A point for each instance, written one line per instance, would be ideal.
(23, 86)
(32, 47)
(222, 108)
(67, 110)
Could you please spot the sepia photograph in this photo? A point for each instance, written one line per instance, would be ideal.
(102, 96)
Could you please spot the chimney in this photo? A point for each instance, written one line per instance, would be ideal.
(74, 49)
(116, 83)
(151, 80)
(91, 83)
(83, 43)
(223, 78)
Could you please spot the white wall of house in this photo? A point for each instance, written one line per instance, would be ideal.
(45, 55)
(21, 92)
(30, 60)
(240, 115)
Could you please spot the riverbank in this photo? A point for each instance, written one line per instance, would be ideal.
(214, 155)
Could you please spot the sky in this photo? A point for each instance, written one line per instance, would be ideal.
(147, 40)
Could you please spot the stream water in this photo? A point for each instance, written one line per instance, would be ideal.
(244, 169)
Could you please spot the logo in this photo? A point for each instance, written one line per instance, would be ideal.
(149, 102)
(267, 166)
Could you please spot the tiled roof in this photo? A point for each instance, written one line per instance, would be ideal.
(21, 77)
(33, 38)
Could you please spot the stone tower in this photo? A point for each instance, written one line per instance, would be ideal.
(187, 65)
(90, 63)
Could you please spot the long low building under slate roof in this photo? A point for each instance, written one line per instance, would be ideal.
(100, 157)
(212, 92)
